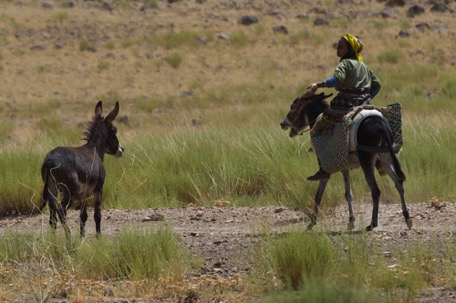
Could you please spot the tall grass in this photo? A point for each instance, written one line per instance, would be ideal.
(346, 268)
(299, 257)
(247, 167)
(135, 254)
(250, 162)
(20, 176)
(426, 159)
(49, 262)
(321, 291)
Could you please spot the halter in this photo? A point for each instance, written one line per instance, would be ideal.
(298, 115)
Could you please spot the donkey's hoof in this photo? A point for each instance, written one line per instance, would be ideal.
(409, 223)
(351, 225)
(311, 225)
(370, 227)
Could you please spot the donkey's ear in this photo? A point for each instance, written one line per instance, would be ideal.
(99, 109)
(113, 114)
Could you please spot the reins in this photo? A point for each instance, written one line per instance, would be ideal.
(302, 105)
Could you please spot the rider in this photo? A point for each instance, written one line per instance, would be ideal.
(354, 80)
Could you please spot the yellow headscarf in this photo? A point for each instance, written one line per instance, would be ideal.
(356, 45)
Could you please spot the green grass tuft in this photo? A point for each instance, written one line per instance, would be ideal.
(134, 254)
(174, 60)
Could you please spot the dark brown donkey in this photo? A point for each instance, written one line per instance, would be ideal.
(374, 149)
(78, 172)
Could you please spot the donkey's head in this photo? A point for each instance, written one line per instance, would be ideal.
(112, 145)
(303, 112)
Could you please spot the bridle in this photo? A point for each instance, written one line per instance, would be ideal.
(299, 112)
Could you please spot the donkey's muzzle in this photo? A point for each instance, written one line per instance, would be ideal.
(293, 133)
(120, 151)
(284, 124)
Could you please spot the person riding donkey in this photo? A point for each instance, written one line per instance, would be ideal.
(356, 83)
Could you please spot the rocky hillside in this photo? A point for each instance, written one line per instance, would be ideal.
(72, 53)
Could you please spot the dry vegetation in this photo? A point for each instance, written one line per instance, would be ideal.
(57, 59)
(171, 67)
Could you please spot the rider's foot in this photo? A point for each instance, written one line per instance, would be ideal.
(320, 175)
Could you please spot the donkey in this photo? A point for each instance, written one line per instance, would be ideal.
(78, 172)
(374, 149)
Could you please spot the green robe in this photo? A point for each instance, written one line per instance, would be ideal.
(354, 74)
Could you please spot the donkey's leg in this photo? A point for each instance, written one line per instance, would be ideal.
(98, 195)
(83, 217)
(50, 193)
(318, 196)
(52, 211)
(367, 161)
(388, 165)
(349, 198)
(66, 202)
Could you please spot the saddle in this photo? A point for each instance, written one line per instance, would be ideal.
(333, 147)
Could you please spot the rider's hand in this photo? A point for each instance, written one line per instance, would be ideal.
(311, 89)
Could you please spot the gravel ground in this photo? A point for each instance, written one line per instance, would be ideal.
(222, 237)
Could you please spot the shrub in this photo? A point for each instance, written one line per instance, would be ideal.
(174, 60)
(300, 255)
(84, 44)
(103, 65)
(134, 254)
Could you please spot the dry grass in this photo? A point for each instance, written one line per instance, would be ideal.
(55, 63)
(132, 49)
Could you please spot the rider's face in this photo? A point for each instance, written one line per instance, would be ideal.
(342, 48)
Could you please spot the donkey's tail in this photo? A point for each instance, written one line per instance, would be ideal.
(46, 176)
(45, 193)
(389, 140)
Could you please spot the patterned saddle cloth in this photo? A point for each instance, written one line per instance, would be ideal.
(333, 147)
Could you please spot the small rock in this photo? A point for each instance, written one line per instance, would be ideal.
(391, 3)
(438, 205)
(201, 41)
(185, 93)
(278, 210)
(440, 8)
(422, 26)
(321, 21)
(108, 292)
(438, 28)
(38, 48)
(403, 33)
(389, 12)
(123, 120)
(197, 122)
(415, 10)
(153, 218)
(248, 20)
(107, 6)
(318, 10)
(223, 36)
(281, 29)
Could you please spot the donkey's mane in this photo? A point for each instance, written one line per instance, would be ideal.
(320, 99)
(92, 127)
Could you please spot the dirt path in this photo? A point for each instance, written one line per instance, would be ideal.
(222, 237)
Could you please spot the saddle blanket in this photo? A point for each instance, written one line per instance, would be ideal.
(333, 147)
